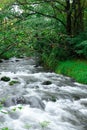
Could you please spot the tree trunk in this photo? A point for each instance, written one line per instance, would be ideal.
(74, 17)
(68, 18)
(78, 15)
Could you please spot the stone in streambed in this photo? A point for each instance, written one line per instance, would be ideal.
(33, 101)
(11, 101)
(46, 83)
(5, 78)
(20, 100)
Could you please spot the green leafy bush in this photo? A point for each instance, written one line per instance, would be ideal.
(79, 45)
(81, 48)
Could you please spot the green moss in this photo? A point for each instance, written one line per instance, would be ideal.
(13, 82)
(74, 68)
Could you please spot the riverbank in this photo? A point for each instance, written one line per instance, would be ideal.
(76, 69)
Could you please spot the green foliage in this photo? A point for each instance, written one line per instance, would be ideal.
(79, 45)
(4, 2)
(73, 68)
(55, 49)
(21, 33)
(81, 49)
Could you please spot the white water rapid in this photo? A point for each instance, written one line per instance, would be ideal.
(53, 102)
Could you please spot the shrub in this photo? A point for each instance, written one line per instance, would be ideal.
(81, 49)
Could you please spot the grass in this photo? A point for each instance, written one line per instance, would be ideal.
(77, 69)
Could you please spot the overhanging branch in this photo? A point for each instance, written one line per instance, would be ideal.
(40, 13)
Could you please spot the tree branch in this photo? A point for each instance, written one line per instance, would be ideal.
(45, 15)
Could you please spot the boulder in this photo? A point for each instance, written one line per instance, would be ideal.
(46, 83)
(11, 101)
(5, 79)
(33, 101)
(20, 100)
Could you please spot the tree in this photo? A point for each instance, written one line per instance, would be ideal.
(42, 22)
(70, 13)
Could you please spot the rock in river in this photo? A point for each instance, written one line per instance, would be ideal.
(46, 83)
(5, 79)
(33, 101)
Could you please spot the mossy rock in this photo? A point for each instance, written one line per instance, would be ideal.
(46, 83)
(13, 82)
(5, 79)
(53, 98)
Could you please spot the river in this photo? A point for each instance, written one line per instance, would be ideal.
(35, 99)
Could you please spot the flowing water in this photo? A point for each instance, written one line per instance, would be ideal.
(40, 100)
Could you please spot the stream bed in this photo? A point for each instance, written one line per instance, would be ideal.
(35, 99)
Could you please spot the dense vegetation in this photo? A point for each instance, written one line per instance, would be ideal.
(54, 30)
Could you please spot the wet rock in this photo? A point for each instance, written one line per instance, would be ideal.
(49, 96)
(5, 79)
(35, 102)
(20, 100)
(37, 65)
(11, 101)
(46, 83)
(76, 97)
(17, 60)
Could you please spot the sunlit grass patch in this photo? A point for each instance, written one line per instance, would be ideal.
(74, 68)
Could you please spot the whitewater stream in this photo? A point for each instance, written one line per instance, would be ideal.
(34, 99)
